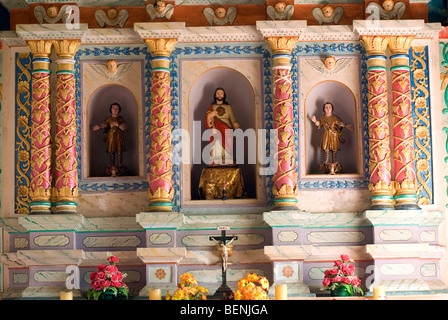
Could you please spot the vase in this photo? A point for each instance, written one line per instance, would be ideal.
(109, 295)
(340, 292)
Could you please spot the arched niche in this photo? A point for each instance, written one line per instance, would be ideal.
(240, 95)
(344, 103)
(97, 112)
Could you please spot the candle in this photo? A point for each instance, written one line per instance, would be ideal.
(379, 292)
(155, 294)
(66, 295)
(281, 292)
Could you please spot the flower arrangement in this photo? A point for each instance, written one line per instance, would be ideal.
(252, 287)
(342, 275)
(107, 279)
(188, 289)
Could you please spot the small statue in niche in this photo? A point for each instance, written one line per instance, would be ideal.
(220, 116)
(281, 11)
(387, 11)
(112, 17)
(114, 128)
(52, 14)
(331, 137)
(111, 70)
(328, 14)
(220, 16)
(160, 10)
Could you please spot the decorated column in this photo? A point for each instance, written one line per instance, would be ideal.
(160, 190)
(403, 131)
(65, 189)
(285, 188)
(40, 179)
(380, 186)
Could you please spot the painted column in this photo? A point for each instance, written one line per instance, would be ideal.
(380, 186)
(40, 180)
(285, 188)
(403, 130)
(65, 191)
(160, 190)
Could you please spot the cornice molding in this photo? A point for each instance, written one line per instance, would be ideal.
(50, 31)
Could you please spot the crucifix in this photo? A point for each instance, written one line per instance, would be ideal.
(223, 291)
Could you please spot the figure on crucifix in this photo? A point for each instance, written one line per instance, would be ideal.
(225, 249)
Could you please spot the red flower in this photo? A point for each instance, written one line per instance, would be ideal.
(106, 283)
(345, 257)
(337, 263)
(334, 271)
(101, 276)
(116, 284)
(97, 285)
(113, 259)
(111, 269)
(101, 267)
(326, 282)
(93, 276)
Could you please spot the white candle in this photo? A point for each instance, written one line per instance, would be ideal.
(379, 292)
(281, 292)
(66, 295)
(155, 294)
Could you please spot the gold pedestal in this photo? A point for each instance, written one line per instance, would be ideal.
(213, 180)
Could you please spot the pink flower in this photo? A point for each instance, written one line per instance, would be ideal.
(346, 280)
(351, 270)
(337, 263)
(356, 282)
(334, 271)
(113, 259)
(101, 267)
(97, 285)
(106, 283)
(345, 257)
(116, 284)
(119, 275)
(337, 279)
(326, 282)
(344, 268)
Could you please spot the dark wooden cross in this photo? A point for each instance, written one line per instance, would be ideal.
(223, 291)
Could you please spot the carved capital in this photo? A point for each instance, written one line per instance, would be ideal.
(375, 44)
(382, 188)
(281, 44)
(66, 48)
(400, 44)
(40, 48)
(161, 46)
